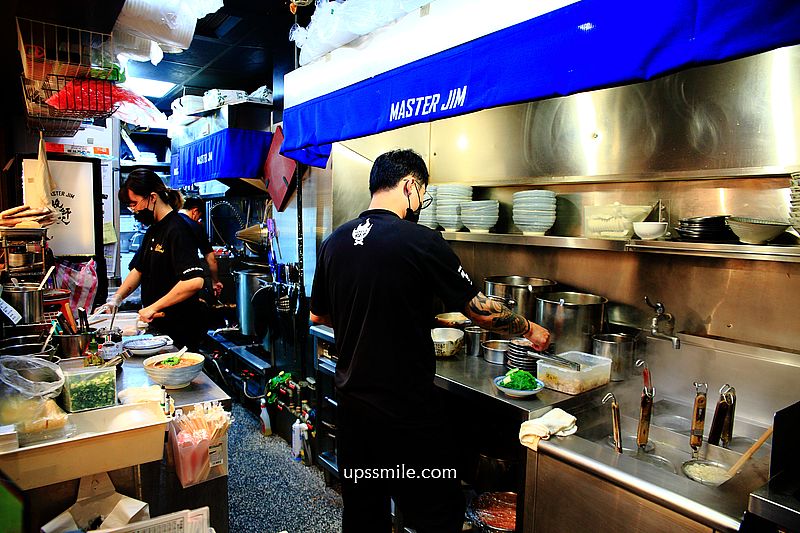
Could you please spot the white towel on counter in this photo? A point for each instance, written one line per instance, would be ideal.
(555, 422)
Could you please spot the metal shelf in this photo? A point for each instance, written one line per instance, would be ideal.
(580, 243)
(779, 253)
(759, 252)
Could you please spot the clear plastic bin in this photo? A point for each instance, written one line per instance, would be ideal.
(612, 221)
(88, 387)
(595, 371)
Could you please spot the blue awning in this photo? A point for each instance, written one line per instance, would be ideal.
(228, 153)
(588, 45)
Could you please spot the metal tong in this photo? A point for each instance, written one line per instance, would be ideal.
(722, 423)
(645, 407)
(698, 417)
(546, 356)
(615, 422)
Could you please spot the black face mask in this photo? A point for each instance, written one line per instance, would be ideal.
(145, 216)
(411, 215)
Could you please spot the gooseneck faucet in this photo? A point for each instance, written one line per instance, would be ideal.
(669, 324)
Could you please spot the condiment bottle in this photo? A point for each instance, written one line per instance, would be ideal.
(266, 424)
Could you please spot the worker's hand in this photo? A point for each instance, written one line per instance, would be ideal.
(147, 314)
(539, 336)
(111, 305)
(217, 288)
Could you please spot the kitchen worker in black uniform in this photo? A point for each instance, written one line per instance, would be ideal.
(192, 211)
(166, 264)
(375, 283)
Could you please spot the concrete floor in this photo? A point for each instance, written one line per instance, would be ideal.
(268, 492)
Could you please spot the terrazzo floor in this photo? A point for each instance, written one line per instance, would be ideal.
(270, 493)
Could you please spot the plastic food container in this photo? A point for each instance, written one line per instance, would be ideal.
(88, 387)
(612, 221)
(595, 371)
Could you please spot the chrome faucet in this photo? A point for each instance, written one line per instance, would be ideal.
(667, 319)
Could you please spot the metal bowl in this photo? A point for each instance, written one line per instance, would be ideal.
(34, 349)
(495, 351)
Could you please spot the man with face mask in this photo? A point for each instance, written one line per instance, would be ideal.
(166, 264)
(375, 283)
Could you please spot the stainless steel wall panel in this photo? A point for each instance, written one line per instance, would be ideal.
(741, 116)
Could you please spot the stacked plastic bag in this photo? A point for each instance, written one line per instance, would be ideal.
(335, 24)
(147, 28)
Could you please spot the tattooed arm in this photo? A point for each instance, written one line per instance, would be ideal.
(494, 316)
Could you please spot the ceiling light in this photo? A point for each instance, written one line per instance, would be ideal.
(145, 87)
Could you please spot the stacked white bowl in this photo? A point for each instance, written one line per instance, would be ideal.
(534, 211)
(427, 217)
(794, 200)
(448, 205)
(479, 216)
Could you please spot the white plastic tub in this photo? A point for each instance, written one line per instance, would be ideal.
(106, 439)
(595, 371)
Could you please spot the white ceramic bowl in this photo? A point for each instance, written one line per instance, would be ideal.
(756, 231)
(174, 378)
(447, 342)
(514, 393)
(650, 230)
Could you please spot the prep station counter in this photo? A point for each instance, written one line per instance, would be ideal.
(605, 487)
(154, 482)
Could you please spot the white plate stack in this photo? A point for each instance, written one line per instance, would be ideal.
(534, 211)
(794, 201)
(448, 205)
(479, 216)
(427, 217)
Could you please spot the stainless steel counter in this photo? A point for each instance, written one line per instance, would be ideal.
(473, 376)
(719, 507)
(201, 389)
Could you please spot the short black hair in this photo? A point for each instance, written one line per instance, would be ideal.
(391, 167)
(192, 202)
(143, 182)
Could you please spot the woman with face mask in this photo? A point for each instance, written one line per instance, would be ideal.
(166, 264)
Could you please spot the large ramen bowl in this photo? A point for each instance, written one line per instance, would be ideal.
(174, 377)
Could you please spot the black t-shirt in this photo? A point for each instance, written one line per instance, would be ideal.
(377, 277)
(166, 256)
(200, 235)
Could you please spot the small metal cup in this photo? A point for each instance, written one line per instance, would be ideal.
(475, 335)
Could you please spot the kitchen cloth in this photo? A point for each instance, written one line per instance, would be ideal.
(555, 422)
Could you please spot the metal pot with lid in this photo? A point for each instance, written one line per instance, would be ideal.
(26, 298)
(247, 284)
(519, 292)
(572, 319)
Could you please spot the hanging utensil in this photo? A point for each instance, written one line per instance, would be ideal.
(645, 407)
(15, 281)
(722, 423)
(615, 422)
(698, 417)
(46, 277)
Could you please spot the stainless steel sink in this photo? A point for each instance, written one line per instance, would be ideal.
(669, 446)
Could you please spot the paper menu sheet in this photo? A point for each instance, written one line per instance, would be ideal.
(73, 201)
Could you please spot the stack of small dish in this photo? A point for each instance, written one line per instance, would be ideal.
(518, 356)
(534, 211)
(794, 199)
(704, 229)
(480, 216)
(448, 205)
(427, 217)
